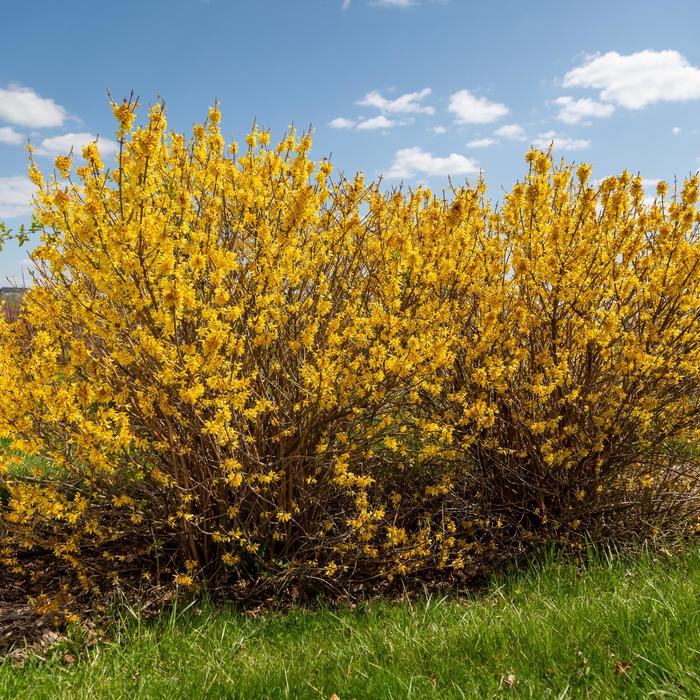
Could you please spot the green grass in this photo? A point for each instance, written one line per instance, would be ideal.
(29, 465)
(560, 632)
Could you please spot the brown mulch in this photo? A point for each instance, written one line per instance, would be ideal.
(25, 630)
(22, 629)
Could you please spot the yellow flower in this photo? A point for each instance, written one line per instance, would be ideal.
(63, 165)
(92, 155)
(214, 116)
(125, 114)
(647, 481)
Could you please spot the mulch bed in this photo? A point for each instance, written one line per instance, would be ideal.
(22, 629)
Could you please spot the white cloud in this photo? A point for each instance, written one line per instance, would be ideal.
(560, 142)
(415, 161)
(394, 3)
(676, 130)
(341, 123)
(511, 131)
(481, 143)
(16, 195)
(638, 79)
(380, 122)
(61, 145)
(346, 4)
(439, 130)
(470, 109)
(649, 186)
(21, 105)
(9, 135)
(410, 103)
(573, 111)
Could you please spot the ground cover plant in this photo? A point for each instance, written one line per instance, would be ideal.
(236, 370)
(620, 627)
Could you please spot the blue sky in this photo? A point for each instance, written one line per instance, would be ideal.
(411, 89)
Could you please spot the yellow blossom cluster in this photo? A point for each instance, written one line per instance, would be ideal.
(275, 369)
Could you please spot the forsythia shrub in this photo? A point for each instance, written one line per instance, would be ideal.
(232, 360)
(582, 414)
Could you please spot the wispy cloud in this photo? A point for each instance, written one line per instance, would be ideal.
(22, 106)
(10, 136)
(482, 143)
(380, 122)
(439, 130)
(470, 109)
(409, 162)
(394, 3)
(514, 132)
(16, 196)
(341, 123)
(59, 145)
(346, 4)
(638, 79)
(560, 142)
(406, 104)
(410, 103)
(573, 111)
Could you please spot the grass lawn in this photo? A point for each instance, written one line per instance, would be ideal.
(623, 628)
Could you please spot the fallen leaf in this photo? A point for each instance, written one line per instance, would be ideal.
(621, 667)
